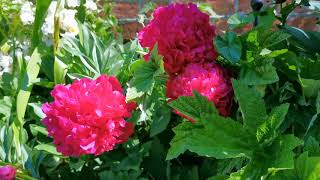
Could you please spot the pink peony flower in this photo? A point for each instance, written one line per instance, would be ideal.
(209, 79)
(87, 117)
(183, 34)
(7, 173)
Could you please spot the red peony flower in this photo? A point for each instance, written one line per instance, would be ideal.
(87, 117)
(210, 80)
(183, 34)
(7, 173)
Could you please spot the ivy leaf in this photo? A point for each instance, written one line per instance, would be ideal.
(269, 129)
(251, 105)
(194, 107)
(219, 137)
(229, 46)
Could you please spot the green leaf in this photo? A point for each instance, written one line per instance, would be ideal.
(155, 163)
(50, 148)
(41, 11)
(312, 146)
(282, 156)
(251, 105)
(238, 21)
(123, 175)
(260, 74)
(268, 131)
(37, 110)
(266, 18)
(274, 37)
(219, 137)
(35, 129)
(307, 168)
(277, 157)
(194, 107)
(30, 75)
(5, 106)
(229, 46)
(160, 120)
(146, 75)
(310, 87)
(307, 39)
(309, 68)
(60, 71)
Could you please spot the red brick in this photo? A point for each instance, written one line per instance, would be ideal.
(305, 23)
(126, 10)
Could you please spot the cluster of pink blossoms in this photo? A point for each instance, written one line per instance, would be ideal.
(87, 117)
(185, 39)
(7, 173)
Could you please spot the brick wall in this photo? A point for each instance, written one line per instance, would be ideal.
(127, 12)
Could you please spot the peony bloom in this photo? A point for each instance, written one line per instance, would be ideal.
(183, 34)
(7, 173)
(210, 80)
(87, 117)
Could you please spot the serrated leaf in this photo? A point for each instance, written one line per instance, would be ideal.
(229, 46)
(251, 105)
(282, 154)
(219, 137)
(269, 129)
(274, 37)
(194, 107)
(277, 157)
(259, 75)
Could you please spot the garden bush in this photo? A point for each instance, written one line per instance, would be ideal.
(178, 101)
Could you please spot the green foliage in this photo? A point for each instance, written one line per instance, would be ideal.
(258, 139)
(229, 46)
(41, 11)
